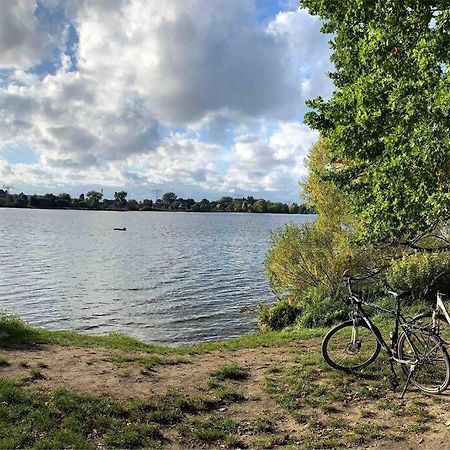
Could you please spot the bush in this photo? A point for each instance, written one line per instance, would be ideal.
(278, 316)
(304, 266)
(319, 310)
(304, 257)
(415, 272)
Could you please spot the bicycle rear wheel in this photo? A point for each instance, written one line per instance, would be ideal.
(350, 347)
(441, 326)
(432, 371)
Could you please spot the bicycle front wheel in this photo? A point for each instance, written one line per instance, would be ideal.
(350, 346)
(431, 373)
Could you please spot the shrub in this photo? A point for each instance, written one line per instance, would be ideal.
(278, 316)
(304, 266)
(304, 257)
(319, 310)
(417, 271)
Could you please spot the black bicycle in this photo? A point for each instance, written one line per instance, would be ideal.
(356, 343)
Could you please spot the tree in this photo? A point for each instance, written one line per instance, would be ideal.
(146, 204)
(387, 123)
(260, 206)
(168, 198)
(93, 198)
(120, 199)
(132, 205)
(64, 200)
(21, 200)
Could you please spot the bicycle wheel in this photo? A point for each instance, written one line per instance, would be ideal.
(441, 327)
(432, 371)
(350, 347)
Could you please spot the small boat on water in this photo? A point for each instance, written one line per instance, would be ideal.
(120, 229)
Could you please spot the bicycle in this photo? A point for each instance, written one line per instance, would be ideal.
(356, 343)
(438, 319)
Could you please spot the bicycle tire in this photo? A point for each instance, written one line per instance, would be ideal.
(330, 360)
(443, 325)
(428, 337)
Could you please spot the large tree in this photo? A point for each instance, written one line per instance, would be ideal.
(387, 124)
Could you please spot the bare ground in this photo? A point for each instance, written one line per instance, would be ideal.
(365, 414)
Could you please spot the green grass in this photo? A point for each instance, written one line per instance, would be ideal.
(19, 333)
(63, 419)
(230, 372)
(3, 362)
(66, 419)
(211, 431)
(35, 374)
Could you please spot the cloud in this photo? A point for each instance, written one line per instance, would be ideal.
(22, 43)
(183, 92)
(272, 163)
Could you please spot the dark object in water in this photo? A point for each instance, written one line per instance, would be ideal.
(120, 229)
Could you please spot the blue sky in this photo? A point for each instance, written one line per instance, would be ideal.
(204, 98)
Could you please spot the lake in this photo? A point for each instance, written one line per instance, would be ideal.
(170, 278)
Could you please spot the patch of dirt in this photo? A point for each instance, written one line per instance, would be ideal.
(118, 375)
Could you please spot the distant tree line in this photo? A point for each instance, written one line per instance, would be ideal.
(169, 202)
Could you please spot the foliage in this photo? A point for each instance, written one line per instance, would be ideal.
(303, 257)
(388, 124)
(305, 263)
(120, 198)
(325, 197)
(415, 272)
(93, 198)
(278, 316)
(169, 202)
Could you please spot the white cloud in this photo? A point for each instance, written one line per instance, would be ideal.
(143, 68)
(22, 43)
(274, 163)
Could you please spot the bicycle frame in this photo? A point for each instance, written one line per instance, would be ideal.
(400, 321)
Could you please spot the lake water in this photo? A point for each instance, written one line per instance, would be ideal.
(171, 278)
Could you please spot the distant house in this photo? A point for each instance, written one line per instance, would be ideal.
(3, 193)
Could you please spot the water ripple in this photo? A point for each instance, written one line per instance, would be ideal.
(171, 278)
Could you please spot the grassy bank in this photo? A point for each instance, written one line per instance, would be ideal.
(66, 390)
(16, 332)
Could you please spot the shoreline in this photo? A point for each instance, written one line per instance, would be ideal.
(61, 389)
(156, 210)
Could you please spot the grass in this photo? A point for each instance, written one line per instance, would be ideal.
(211, 431)
(3, 362)
(230, 372)
(316, 407)
(16, 333)
(63, 418)
(35, 374)
(344, 410)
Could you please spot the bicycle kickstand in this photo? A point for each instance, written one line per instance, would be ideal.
(408, 379)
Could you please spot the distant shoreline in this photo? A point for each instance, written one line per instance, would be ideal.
(155, 210)
(94, 200)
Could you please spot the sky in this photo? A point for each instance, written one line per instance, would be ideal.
(204, 98)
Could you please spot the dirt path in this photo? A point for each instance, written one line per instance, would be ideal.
(288, 398)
